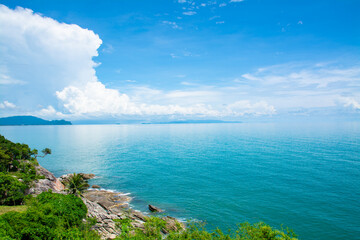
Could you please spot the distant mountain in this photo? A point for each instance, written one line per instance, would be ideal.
(193, 121)
(30, 120)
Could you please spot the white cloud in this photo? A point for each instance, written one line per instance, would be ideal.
(236, 0)
(299, 75)
(181, 1)
(222, 4)
(214, 17)
(350, 102)
(300, 22)
(55, 60)
(49, 112)
(45, 54)
(93, 98)
(220, 22)
(189, 13)
(172, 24)
(245, 107)
(6, 104)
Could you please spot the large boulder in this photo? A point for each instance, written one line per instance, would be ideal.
(50, 182)
(115, 202)
(152, 208)
(87, 176)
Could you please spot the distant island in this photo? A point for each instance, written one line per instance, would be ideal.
(30, 120)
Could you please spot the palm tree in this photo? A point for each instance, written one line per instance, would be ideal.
(77, 184)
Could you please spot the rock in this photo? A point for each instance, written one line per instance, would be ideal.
(105, 225)
(116, 202)
(139, 215)
(87, 176)
(111, 236)
(95, 186)
(65, 178)
(155, 209)
(50, 182)
(172, 224)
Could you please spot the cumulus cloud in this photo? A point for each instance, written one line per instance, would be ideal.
(93, 98)
(54, 63)
(350, 102)
(6, 104)
(42, 54)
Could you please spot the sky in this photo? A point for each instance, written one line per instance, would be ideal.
(162, 60)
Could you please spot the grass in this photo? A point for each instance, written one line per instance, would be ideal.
(19, 208)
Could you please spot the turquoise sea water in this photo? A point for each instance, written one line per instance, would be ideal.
(305, 176)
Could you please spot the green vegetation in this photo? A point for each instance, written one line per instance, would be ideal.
(19, 208)
(17, 170)
(76, 184)
(49, 216)
(155, 228)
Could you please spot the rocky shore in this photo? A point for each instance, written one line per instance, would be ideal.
(104, 206)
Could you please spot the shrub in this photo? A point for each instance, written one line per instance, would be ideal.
(12, 191)
(49, 216)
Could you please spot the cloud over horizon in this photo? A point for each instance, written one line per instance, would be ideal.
(58, 71)
(47, 68)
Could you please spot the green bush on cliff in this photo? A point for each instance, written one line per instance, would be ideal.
(49, 216)
(17, 170)
(11, 190)
(154, 228)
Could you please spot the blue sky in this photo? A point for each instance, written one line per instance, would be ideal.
(183, 59)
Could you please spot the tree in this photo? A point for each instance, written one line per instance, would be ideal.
(77, 184)
(45, 151)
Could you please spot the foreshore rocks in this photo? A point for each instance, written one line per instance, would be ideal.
(104, 206)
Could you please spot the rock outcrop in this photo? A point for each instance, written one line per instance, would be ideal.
(50, 182)
(155, 209)
(106, 206)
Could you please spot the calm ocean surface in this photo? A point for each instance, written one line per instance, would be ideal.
(305, 176)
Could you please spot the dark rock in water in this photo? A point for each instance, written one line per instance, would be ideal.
(155, 209)
(95, 186)
(87, 176)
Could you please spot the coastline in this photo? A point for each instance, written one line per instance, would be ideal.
(106, 206)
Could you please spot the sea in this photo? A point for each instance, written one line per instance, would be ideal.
(305, 176)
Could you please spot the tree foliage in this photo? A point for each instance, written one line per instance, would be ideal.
(17, 170)
(49, 216)
(77, 184)
(11, 190)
